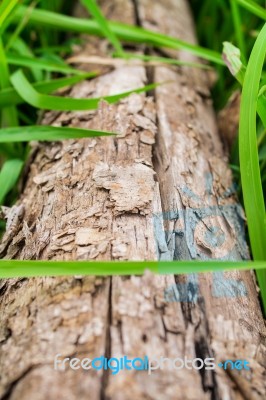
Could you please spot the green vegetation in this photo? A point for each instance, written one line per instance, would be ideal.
(35, 38)
(248, 152)
(17, 268)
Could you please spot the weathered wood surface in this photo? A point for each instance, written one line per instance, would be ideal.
(103, 199)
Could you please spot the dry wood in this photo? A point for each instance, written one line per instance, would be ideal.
(103, 199)
(228, 119)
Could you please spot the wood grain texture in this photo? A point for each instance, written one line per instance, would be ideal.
(157, 190)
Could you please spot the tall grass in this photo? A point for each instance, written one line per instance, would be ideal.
(249, 159)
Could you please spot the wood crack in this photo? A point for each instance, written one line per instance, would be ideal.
(108, 345)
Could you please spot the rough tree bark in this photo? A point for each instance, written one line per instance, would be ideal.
(161, 189)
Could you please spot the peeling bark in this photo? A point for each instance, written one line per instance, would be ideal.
(156, 190)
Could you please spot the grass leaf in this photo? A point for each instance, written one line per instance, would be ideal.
(122, 31)
(95, 11)
(9, 114)
(17, 268)
(43, 101)
(155, 60)
(21, 48)
(9, 175)
(253, 7)
(46, 133)
(21, 25)
(38, 63)
(9, 96)
(249, 160)
(6, 7)
(238, 27)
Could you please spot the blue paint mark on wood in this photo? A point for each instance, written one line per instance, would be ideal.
(181, 244)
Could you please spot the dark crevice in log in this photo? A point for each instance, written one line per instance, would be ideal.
(136, 10)
(7, 395)
(203, 350)
(108, 345)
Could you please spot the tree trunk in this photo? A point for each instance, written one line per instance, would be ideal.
(161, 189)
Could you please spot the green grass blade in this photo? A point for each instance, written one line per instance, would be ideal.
(47, 133)
(43, 101)
(122, 31)
(249, 160)
(9, 175)
(9, 96)
(21, 48)
(231, 55)
(263, 91)
(4, 75)
(17, 268)
(253, 7)
(163, 60)
(9, 114)
(6, 8)
(95, 11)
(20, 26)
(262, 153)
(262, 109)
(238, 28)
(30, 62)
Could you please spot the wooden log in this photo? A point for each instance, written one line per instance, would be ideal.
(132, 198)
